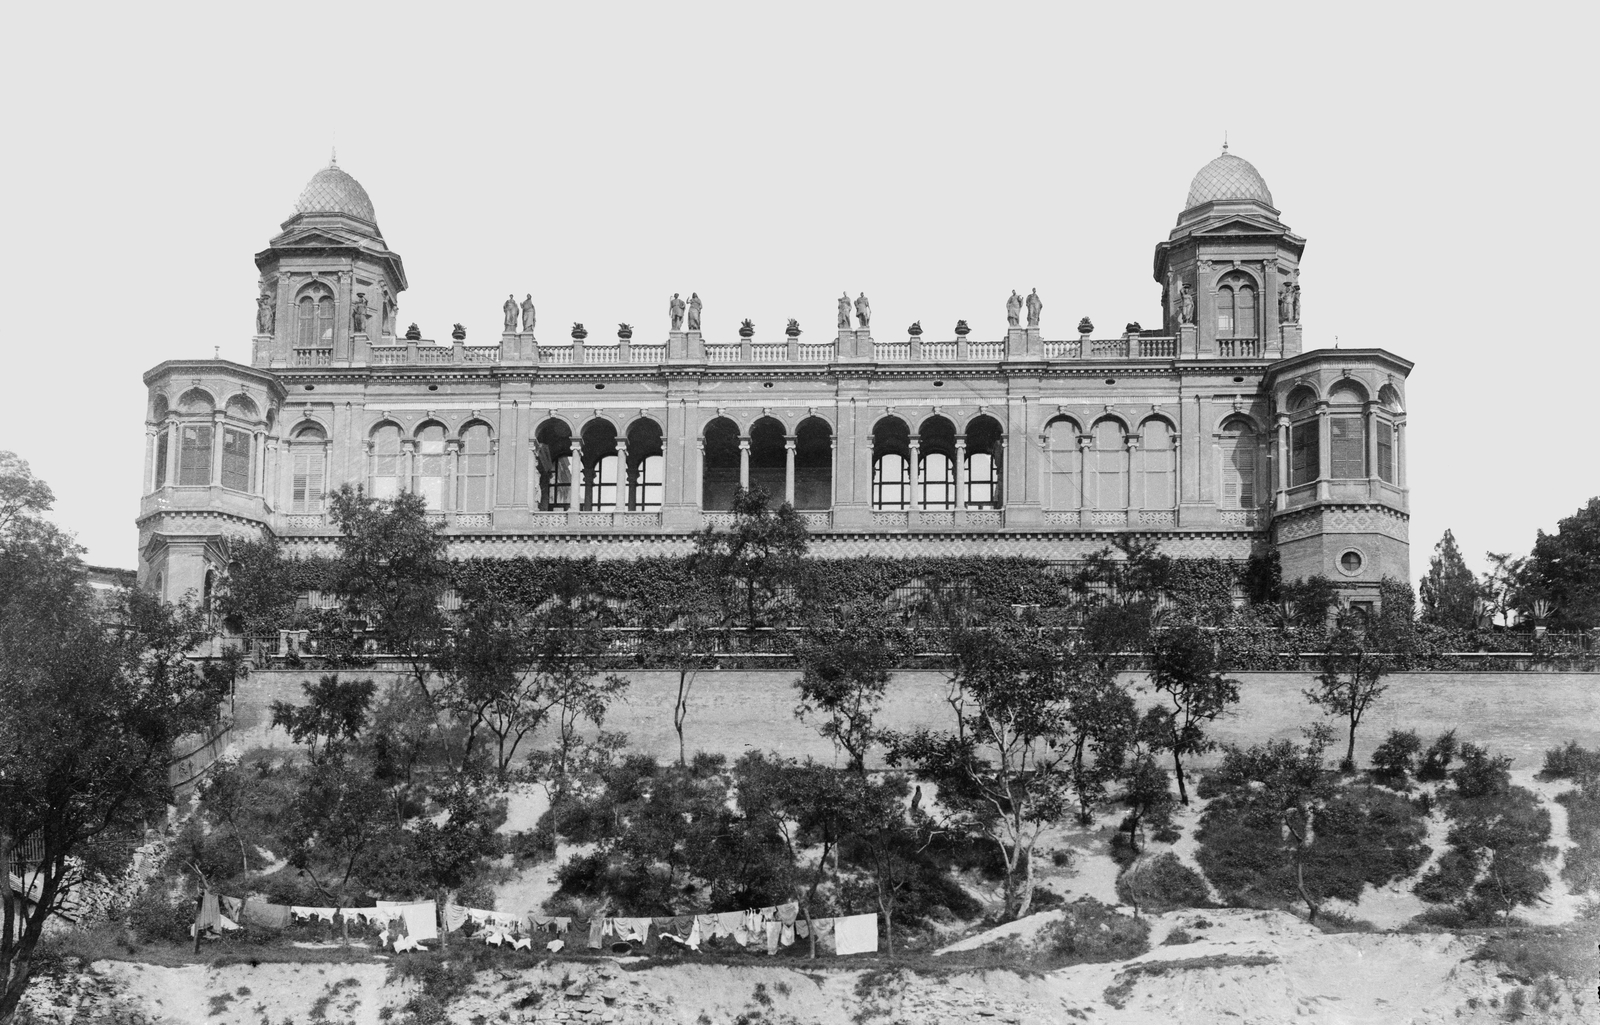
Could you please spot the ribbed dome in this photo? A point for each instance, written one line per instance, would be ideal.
(1227, 177)
(331, 191)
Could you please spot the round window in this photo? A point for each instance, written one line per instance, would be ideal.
(1350, 562)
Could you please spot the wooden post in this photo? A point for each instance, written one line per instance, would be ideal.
(199, 903)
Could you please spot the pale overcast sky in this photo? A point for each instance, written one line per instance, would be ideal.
(1438, 159)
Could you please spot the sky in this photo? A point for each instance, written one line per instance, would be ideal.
(1439, 161)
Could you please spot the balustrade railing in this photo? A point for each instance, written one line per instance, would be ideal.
(647, 354)
(1239, 348)
(313, 357)
(893, 352)
(816, 352)
(769, 352)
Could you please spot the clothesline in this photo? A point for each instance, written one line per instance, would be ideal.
(404, 925)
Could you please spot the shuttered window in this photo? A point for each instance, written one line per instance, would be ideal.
(236, 452)
(194, 455)
(386, 462)
(1064, 489)
(1110, 456)
(476, 465)
(1304, 460)
(1239, 468)
(1386, 451)
(1347, 447)
(306, 471)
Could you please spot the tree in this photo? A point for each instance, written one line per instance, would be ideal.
(1354, 665)
(760, 551)
(681, 632)
(1450, 594)
(1501, 583)
(1286, 781)
(1000, 775)
(1184, 666)
(391, 574)
(94, 700)
(1564, 570)
(846, 653)
(333, 714)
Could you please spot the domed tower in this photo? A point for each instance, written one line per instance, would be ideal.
(1229, 271)
(329, 282)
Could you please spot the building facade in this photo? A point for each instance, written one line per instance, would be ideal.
(1215, 435)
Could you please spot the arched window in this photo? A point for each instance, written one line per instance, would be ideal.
(603, 486)
(719, 467)
(1063, 485)
(552, 459)
(1110, 466)
(649, 483)
(477, 465)
(386, 469)
(162, 447)
(431, 470)
(315, 318)
(194, 454)
(1156, 466)
(307, 461)
(1238, 466)
(891, 481)
(1305, 438)
(603, 474)
(646, 474)
(1385, 431)
(1236, 307)
(938, 481)
(813, 464)
(1347, 433)
(238, 448)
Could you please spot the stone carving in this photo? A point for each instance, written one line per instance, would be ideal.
(1014, 310)
(694, 311)
(1295, 305)
(863, 311)
(413, 333)
(510, 308)
(1185, 305)
(675, 309)
(844, 311)
(265, 315)
(962, 330)
(915, 330)
(457, 332)
(1035, 306)
(389, 310)
(747, 328)
(1285, 304)
(624, 331)
(360, 313)
(528, 315)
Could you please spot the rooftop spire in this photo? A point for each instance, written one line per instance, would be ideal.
(1224, 140)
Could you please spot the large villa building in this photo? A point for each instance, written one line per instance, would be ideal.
(1215, 435)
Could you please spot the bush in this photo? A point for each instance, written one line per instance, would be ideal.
(531, 846)
(1394, 760)
(1436, 760)
(1481, 774)
(1578, 764)
(154, 916)
(1162, 883)
(1090, 932)
(1582, 867)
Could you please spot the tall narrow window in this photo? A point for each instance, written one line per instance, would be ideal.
(1065, 490)
(1245, 312)
(1225, 312)
(1238, 467)
(306, 311)
(386, 462)
(1157, 463)
(1110, 457)
(983, 481)
(891, 482)
(1386, 451)
(237, 447)
(938, 481)
(161, 457)
(306, 460)
(194, 455)
(430, 466)
(473, 494)
(1304, 460)
(1347, 447)
(648, 485)
(603, 487)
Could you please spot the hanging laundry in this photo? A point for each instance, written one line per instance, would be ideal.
(730, 923)
(787, 913)
(265, 915)
(454, 917)
(856, 934)
(597, 929)
(823, 927)
(232, 907)
(774, 933)
(787, 937)
(802, 928)
(707, 925)
(210, 910)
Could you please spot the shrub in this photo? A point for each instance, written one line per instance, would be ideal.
(1481, 774)
(1435, 764)
(153, 916)
(1578, 764)
(1177, 937)
(1582, 868)
(1090, 932)
(1394, 760)
(531, 846)
(1162, 883)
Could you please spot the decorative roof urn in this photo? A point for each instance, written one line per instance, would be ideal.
(459, 333)
(747, 329)
(578, 333)
(962, 330)
(915, 330)
(624, 331)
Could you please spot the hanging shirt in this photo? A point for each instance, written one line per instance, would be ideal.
(856, 934)
(454, 917)
(774, 933)
(788, 912)
(787, 937)
(209, 913)
(268, 916)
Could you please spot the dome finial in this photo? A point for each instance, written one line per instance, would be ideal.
(333, 159)
(1224, 140)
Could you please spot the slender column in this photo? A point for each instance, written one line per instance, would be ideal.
(1130, 445)
(149, 458)
(833, 473)
(788, 469)
(408, 464)
(744, 461)
(1283, 458)
(216, 449)
(1370, 422)
(622, 500)
(1002, 469)
(577, 490)
(258, 463)
(1084, 441)
(961, 471)
(452, 475)
(172, 451)
(700, 473)
(1400, 474)
(1324, 446)
(915, 446)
